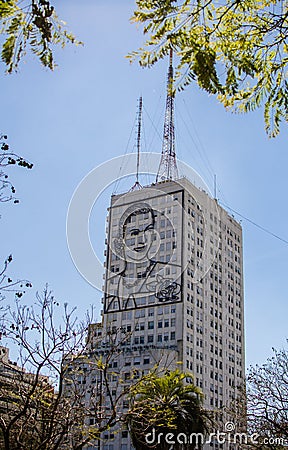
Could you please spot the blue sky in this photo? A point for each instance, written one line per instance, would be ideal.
(70, 121)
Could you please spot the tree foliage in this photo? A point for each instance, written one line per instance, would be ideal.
(60, 395)
(267, 397)
(235, 50)
(7, 193)
(9, 158)
(9, 284)
(33, 413)
(261, 408)
(31, 25)
(95, 381)
(165, 403)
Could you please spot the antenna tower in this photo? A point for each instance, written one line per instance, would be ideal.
(137, 185)
(168, 166)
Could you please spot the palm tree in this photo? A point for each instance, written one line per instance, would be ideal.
(166, 412)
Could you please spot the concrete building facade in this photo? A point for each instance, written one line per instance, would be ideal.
(174, 285)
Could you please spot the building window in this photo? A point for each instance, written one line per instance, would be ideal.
(150, 325)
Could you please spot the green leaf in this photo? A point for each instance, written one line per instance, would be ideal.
(8, 51)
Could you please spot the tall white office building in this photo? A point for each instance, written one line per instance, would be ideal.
(173, 285)
(174, 280)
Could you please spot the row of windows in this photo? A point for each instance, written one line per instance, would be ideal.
(232, 278)
(216, 277)
(214, 349)
(216, 301)
(199, 328)
(215, 363)
(191, 247)
(193, 214)
(214, 324)
(165, 337)
(230, 233)
(216, 376)
(199, 303)
(199, 355)
(237, 303)
(231, 370)
(162, 323)
(165, 198)
(215, 312)
(215, 389)
(216, 402)
(197, 288)
(215, 337)
(167, 234)
(166, 223)
(232, 346)
(171, 245)
(236, 268)
(189, 352)
(166, 323)
(231, 357)
(137, 361)
(230, 243)
(215, 289)
(231, 323)
(231, 334)
(233, 289)
(150, 312)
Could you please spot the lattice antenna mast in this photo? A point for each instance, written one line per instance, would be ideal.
(139, 138)
(137, 185)
(168, 165)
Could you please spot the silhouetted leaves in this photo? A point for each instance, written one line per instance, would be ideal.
(32, 25)
(9, 158)
(235, 50)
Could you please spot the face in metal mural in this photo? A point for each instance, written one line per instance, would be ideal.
(141, 271)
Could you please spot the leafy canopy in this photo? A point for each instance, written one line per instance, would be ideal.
(235, 50)
(164, 403)
(30, 25)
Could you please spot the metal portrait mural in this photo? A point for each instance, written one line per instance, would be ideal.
(143, 267)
